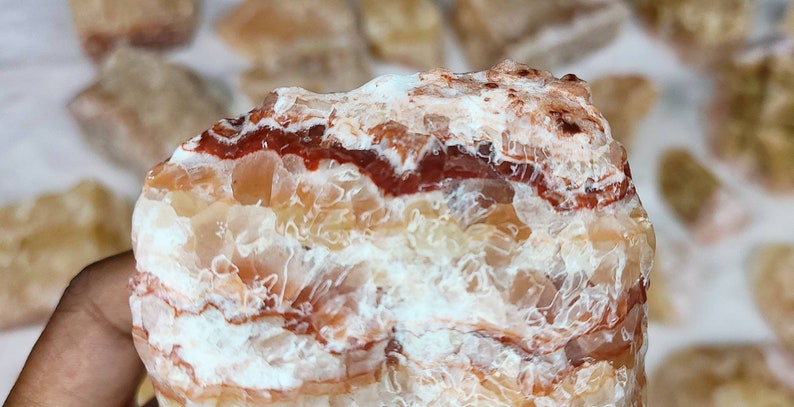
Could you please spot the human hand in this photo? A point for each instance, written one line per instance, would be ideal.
(85, 356)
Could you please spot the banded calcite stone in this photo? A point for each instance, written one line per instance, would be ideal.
(772, 270)
(435, 239)
(102, 24)
(45, 241)
(730, 375)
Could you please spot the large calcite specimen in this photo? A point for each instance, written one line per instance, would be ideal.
(102, 24)
(751, 122)
(142, 107)
(772, 267)
(702, 32)
(724, 376)
(46, 241)
(541, 33)
(697, 197)
(435, 239)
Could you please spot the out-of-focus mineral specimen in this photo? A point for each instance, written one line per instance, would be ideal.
(338, 72)
(697, 197)
(432, 239)
(701, 31)
(278, 35)
(724, 376)
(142, 107)
(674, 282)
(102, 24)
(46, 241)
(751, 116)
(624, 100)
(404, 31)
(772, 267)
(541, 33)
(788, 21)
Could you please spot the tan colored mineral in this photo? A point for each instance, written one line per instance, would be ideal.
(772, 269)
(624, 100)
(697, 198)
(751, 121)
(788, 21)
(103, 24)
(281, 35)
(542, 33)
(46, 241)
(674, 282)
(724, 376)
(703, 32)
(435, 239)
(404, 31)
(142, 107)
(338, 72)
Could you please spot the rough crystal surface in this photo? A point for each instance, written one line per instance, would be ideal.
(697, 197)
(102, 24)
(544, 33)
(624, 100)
(433, 239)
(142, 107)
(46, 241)
(724, 375)
(703, 32)
(772, 267)
(751, 119)
(404, 31)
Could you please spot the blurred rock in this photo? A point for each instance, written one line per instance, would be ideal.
(752, 124)
(723, 376)
(702, 32)
(697, 197)
(772, 269)
(281, 35)
(624, 100)
(404, 31)
(338, 72)
(675, 279)
(142, 107)
(788, 22)
(102, 24)
(46, 241)
(541, 33)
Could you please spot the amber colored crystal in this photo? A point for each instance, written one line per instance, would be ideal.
(543, 34)
(624, 100)
(703, 32)
(696, 196)
(772, 269)
(102, 24)
(46, 241)
(724, 375)
(142, 107)
(751, 122)
(404, 31)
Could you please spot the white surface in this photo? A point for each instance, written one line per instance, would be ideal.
(42, 67)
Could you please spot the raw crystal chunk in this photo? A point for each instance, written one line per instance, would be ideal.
(624, 100)
(102, 24)
(724, 376)
(772, 267)
(788, 22)
(541, 33)
(46, 241)
(433, 239)
(752, 124)
(338, 72)
(697, 197)
(279, 34)
(143, 107)
(701, 31)
(404, 31)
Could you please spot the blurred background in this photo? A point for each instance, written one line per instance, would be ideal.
(701, 93)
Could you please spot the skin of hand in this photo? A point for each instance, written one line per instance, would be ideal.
(85, 355)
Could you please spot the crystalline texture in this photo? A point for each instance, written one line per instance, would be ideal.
(432, 239)
(46, 241)
(102, 24)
